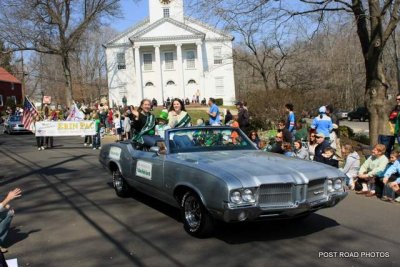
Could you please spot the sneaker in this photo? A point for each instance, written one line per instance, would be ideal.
(39, 148)
(3, 250)
(84, 144)
(94, 148)
(397, 200)
(42, 147)
(91, 145)
(99, 147)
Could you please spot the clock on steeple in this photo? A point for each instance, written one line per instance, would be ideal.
(165, 2)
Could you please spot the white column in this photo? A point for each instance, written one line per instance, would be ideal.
(201, 68)
(180, 68)
(138, 69)
(158, 69)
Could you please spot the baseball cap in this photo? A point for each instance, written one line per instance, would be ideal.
(320, 135)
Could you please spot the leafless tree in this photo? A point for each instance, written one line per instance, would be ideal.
(52, 27)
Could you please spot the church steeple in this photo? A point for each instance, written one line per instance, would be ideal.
(159, 9)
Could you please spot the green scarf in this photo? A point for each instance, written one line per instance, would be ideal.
(184, 121)
(148, 129)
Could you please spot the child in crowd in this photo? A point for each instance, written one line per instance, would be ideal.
(162, 124)
(287, 149)
(235, 124)
(300, 151)
(102, 130)
(328, 157)
(351, 164)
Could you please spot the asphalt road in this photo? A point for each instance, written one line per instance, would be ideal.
(69, 216)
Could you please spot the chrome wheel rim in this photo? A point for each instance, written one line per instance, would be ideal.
(117, 181)
(192, 211)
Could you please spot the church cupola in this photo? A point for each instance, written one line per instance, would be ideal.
(159, 9)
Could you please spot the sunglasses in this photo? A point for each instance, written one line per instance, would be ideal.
(398, 99)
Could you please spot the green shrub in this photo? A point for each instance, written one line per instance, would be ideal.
(219, 101)
(362, 138)
(346, 131)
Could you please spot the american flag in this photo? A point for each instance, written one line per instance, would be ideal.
(29, 115)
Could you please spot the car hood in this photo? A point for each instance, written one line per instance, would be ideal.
(253, 168)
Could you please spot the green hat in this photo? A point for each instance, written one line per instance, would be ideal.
(163, 115)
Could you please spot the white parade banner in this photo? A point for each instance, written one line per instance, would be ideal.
(65, 128)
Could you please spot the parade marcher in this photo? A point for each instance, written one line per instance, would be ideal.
(88, 138)
(144, 122)
(322, 123)
(96, 137)
(39, 139)
(213, 113)
(6, 215)
(177, 115)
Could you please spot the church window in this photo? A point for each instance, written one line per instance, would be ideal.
(149, 84)
(217, 55)
(169, 60)
(121, 61)
(190, 60)
(166, 12)
(219, 86)
(191, 81)
(170, 83)
(148, 61)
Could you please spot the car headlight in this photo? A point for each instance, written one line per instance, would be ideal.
(248, 196)
(236, 197)
(337, 184)
(330, 186)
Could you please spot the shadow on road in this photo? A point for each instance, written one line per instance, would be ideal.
(245, 232)
(15, 235)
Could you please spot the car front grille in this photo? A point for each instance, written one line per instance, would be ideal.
(276, 195)
(316, 189)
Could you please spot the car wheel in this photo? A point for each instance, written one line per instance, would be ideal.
(362, 119)
(121, 187)
(349, 118)
(196, 219)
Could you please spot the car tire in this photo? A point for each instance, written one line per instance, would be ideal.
(196, 219)
(121, 187)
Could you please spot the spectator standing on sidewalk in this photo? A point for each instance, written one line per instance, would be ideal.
(213, 113)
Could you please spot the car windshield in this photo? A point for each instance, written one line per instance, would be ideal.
(194, 139)
(15, 118)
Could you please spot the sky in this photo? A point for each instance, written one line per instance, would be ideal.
(133, 12)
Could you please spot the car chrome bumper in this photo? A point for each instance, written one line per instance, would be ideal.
(252, 213)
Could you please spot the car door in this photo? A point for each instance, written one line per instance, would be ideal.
(148, 169)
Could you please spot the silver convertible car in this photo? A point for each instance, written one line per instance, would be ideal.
(217, 173)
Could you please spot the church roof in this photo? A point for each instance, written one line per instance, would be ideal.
(186, 30)
(146, 31)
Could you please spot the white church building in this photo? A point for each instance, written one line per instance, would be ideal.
(170, 55)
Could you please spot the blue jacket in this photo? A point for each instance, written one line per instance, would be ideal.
(322, 125)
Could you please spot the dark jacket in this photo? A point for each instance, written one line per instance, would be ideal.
(331, 161)
(243, 118)
(319, 149)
